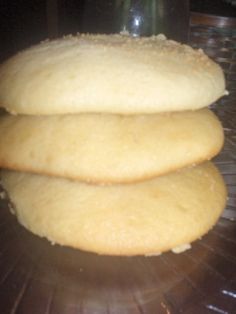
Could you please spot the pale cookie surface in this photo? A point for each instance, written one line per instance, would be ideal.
(143, 218)
(109, 73)
(108, 148)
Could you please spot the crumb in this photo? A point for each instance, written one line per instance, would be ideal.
(181, 248)
(3, 195)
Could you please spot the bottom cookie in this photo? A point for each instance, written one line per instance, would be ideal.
(144, 218)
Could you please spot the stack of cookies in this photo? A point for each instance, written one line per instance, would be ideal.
(106, 141)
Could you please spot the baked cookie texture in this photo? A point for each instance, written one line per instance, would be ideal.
(109, 73)
(109, 148)
(106, 142)
(143, 218)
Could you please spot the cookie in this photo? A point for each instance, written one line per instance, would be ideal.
(111, 74)
(143, 218)
(107, 148)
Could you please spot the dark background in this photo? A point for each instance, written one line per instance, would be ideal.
(24, 22)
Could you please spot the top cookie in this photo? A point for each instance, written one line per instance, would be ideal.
(109, 73)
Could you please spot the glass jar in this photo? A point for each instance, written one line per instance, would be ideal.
(138, 17)
(145, 18)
